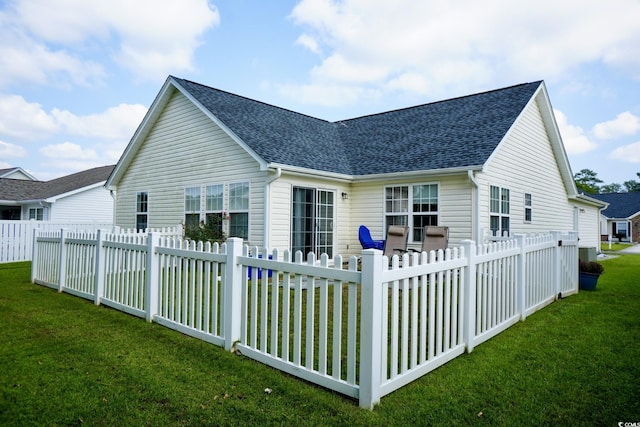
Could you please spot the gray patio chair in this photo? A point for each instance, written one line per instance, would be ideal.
(396, 242)
(434, 238)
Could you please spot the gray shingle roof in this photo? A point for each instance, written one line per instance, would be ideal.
(459, 132)
(20, 190)
(621, 205)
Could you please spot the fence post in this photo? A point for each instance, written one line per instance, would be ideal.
(521, 276)
(470, 277)
(62, 261)
(232, 294)
(371, 328)
(152, 282)
(556, 263)
(99, 267)
(34, 256)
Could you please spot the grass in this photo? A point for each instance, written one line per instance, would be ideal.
(64, 361)
(614, 246)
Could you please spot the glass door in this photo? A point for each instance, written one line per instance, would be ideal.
(324, 215)
(312, 221)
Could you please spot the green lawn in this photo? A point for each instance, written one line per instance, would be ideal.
(615, 246)
(64, 361)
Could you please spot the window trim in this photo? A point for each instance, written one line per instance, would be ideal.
(37, 210)
(501, 214)
(198, 191)
(144, 212)
(528, 208)
(409, 214)
(230, 212)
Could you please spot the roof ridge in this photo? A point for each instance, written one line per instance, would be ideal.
(442, 101)
(250, 99)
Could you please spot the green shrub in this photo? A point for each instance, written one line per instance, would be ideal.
(591, 267)
(211, 231)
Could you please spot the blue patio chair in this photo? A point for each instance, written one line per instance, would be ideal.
(367, 241)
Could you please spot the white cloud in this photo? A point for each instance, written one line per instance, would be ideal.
(68, 151)
(116, 123)
(623, 125)
(309, 42)
(22, 119)
(27, 120)
(469, 41)
(152, 38)
(69, 157)
(574, 139)
(23, 59)
(627, 153)
(10, 151)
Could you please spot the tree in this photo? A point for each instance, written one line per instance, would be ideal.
(587, 181)
(632, 185)
(611, 188)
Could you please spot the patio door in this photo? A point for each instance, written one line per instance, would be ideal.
(312, 221)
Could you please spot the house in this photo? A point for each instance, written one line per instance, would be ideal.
(77, 197)
(16, 173)
(489, 162)
(621, 219)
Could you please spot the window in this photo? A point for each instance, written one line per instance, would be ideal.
(528, 207)
(412, 205)
(36, 214)
(142, 210)
(214, 207)
(207, 203)
(239, 210)
(312, 211)
(621, 230)
(191, 206)
(499, 207)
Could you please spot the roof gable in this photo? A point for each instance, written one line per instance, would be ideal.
(16, 173)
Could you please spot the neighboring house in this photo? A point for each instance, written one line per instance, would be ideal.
(16, 173)
(491, 161)
(77, 197)
(621, 219)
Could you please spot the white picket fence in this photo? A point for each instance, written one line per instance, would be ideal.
(16, 236)
(363, 328)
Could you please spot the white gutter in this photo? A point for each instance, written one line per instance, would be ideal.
(475, 216)
(267, 206)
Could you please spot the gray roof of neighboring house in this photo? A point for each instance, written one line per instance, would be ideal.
(22, 190)
(457, 133)
(621, 205)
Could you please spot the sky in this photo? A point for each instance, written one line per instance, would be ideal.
(77, 76)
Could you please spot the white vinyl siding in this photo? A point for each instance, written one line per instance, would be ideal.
(185, 148)
(454, 208)
(524, 163)
(93, 204)
(588, 226)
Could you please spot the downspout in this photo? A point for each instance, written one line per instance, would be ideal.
(267, 206)
(475, 216)
(114, 210)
